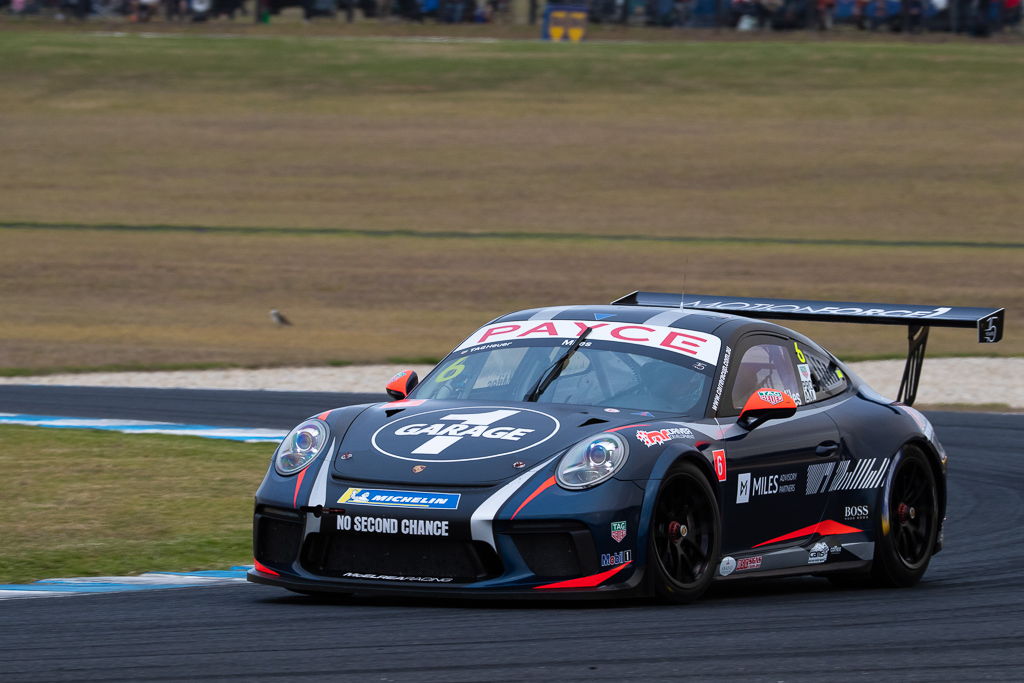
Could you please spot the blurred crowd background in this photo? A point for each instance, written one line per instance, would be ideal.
(974, 17)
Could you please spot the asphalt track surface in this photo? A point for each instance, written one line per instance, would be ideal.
(964, 622)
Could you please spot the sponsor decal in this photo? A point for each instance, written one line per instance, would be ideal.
(743, 488)
(390, 525)
(700, 345)
(770, 396)
(653, 438)
(728, 566)
(424, 500)
(644, 413)
(836, 549)
(718, 457)
(345, 456)
(612, 410)
(721, 378)
(519, 464)
(809, 393)
(818, 553)
(765, 485)
(847, 475)
(745, 563)
(990, 330)
(618, 531)
(418, 468)
(856, 512)
(699, 366)
(615, 559)
(768, 307)
(390, 577)
(478, 433)
(805, 372)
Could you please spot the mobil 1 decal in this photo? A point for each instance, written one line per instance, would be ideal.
(464, 434)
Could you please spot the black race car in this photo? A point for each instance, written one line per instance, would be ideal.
(649, 447)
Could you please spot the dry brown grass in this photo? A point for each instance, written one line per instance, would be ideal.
(97, 298)
(748, 140)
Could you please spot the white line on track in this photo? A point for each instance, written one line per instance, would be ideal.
(250, 435)
(81, 585)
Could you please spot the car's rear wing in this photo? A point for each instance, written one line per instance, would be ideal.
(988, 321)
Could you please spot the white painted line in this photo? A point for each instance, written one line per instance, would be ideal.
(250, 435)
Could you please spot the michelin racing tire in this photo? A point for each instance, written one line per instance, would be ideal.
(906, 536)
(685, 536)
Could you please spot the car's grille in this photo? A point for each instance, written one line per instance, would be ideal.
(553, 549)
(550, 555)
(341, 554)
(276, 541)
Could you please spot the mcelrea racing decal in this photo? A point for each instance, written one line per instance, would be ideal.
(391, 577)
(426, 500)
(685, 342)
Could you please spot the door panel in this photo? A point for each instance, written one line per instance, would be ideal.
(770, 469)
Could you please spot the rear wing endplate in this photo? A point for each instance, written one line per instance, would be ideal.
(918, 319)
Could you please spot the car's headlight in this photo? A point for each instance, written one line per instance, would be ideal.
(592, 461)
(300, 447)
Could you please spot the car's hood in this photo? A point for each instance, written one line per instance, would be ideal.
(463, 442)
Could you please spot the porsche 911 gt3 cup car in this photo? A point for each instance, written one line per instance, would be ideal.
(650, 446)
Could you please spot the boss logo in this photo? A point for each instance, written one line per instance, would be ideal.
(856, 512)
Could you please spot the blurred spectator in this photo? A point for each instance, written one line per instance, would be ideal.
(825, 8)
(683, 13)
(659, 12)
(860, 14)
(142, 10)
(913, 16)
(1011, 14)
(175, 10)
(879, 14)
(743, 15)
(410, 9)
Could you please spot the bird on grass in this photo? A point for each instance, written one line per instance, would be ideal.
(278, 317)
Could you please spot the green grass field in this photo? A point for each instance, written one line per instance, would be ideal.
(88, 503)
(161, 194)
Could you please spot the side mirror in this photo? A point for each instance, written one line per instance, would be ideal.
(763, 405)
(401, 384)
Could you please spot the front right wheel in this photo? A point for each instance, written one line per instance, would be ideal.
(685, 535)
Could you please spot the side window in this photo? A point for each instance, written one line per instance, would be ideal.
(820, 377)
(764, 365)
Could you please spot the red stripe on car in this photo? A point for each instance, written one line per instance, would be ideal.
(298, 483)
(262, 569)
(825, 528)
(533, 495)
(586, 581)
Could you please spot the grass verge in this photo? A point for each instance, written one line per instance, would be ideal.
(92, 503)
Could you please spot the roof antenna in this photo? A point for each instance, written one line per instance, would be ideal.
(682, 294)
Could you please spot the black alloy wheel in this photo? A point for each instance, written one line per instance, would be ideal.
(684, 536)
(906, 539)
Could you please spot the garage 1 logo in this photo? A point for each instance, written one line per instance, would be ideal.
(469, 434)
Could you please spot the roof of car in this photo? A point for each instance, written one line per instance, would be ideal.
(720, 324)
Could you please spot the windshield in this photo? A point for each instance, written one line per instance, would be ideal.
(626, 370)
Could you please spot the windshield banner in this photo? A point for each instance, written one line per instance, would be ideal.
(699, 345)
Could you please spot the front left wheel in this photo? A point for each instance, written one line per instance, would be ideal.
(685, 536)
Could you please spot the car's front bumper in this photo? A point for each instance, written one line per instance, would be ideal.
(584, 543)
